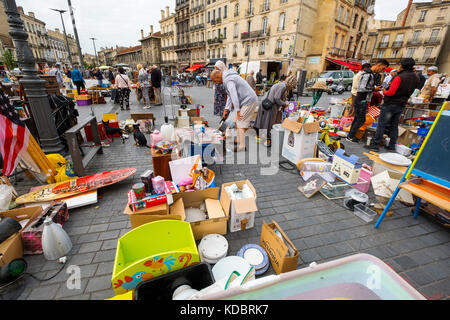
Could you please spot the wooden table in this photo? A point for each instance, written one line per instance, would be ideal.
(161, 164)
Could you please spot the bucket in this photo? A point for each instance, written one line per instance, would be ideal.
(278, 135)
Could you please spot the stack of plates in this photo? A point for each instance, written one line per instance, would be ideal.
(212, 248)
(256, 256)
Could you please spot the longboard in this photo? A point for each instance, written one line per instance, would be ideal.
(66, 189)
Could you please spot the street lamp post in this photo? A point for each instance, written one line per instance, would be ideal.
(34, 86)
(80, 55)
(65, 34)
(96, 57)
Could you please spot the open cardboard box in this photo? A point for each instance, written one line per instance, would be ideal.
(282, 253)
(241, 212)
(217, 217)
(138, 218)
(299, 139)
(12, 248)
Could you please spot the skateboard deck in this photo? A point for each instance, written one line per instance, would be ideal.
(66, 189)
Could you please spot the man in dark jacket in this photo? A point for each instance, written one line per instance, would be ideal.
(368, 83)
(156, 84)
(395, 99)
(259, 77)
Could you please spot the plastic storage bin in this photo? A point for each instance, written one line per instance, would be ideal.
(152, 250)
(365, 213)
(83, 103)
(403, 150)
(197, 277)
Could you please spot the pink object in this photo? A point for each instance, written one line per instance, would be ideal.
(159, 185)
(186, 181)
(364, 180)
(346, 121)
(155, 138)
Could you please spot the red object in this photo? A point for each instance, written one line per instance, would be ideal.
(93, 182)
(153, 201)
(394, 87)
(32, 235)
(14, 136)
(351, 65)
(171, 188)
(101, 130)
(196, 66)
(377, 99)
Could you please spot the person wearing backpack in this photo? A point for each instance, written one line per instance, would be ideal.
(366, 87)
(124, 86)
(272, 107)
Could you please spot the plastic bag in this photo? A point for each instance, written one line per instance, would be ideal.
(6, 194)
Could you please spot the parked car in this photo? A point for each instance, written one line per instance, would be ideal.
(335, 75)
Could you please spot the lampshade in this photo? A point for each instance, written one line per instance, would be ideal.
(55, 241)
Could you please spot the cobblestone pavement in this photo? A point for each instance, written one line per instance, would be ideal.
(322, 230)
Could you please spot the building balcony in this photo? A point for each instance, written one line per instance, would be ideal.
(215, 40)
(181, 46)
(264, 8)
(337, 52)
(414, 43)
(432, 41)
(427, 60)
(383, 45)
(167, 34)
(255, 34)
(397, 44)
(249, 13)
(181, 4)
(197, 8)
(197, 27)
(168, 48)
(197, 44)
(278, 50)
(216, 21)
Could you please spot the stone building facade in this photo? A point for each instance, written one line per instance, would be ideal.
(131, 56)
(151, 48)
(421, 32)
(197, 29)
(168, 42)
(182, 47)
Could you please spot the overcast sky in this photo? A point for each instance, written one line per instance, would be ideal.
(120, 21)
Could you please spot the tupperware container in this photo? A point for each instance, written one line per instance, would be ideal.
(365, 213)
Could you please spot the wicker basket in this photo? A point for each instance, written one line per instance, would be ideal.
(32, 235)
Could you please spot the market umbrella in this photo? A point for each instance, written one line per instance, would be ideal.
(104, 68)
(318, 89)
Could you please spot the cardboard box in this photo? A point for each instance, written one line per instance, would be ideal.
(385, 183)
(144, 216)
(282, 258)
(299, 139)
(408, 136)
(10, 249)
(218, 217)
(346, 168)
(197, 120)
(241, 212)
(13, 248)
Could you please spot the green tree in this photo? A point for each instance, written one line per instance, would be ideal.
(8, 60)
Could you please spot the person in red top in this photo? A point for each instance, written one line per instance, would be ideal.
(395, 99)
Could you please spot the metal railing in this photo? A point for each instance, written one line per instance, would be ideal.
(397, 44)
(432, 41)
(383, 45)
(255, 34)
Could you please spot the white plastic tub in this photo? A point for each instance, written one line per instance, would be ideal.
(403, 150)
(365, 213)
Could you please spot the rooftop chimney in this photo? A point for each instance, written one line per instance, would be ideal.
(57, 30)
(20, 9)
(408, 8)
(151, 29)
(167, 11)
(162, 14)
(142, 34)
(31, 14)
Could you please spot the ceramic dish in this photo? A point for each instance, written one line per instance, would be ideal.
(214, 247)
(256, 256)
(226, 266)
(395, 159)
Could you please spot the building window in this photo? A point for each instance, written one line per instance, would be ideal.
(225, 33)
(361, 24)
(219, 13)
(355, 21)
(427, 54)
(423, 15)
(282, 21)
(236, 30)
(342, 42)
(394, 54)
(434, 35)
(341, 8)
(380, 54)
(346, 16)
(225, 12)
(264, 25)
(336, 35)
(280, 44)
(209, 16)
(410, 52)
(247, 50)
(250, 6)
(236, 10)
(266, 5)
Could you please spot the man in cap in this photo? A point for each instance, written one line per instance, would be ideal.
(395, 99)
(431, 85)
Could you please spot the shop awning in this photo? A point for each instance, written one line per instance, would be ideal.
(350, 65)
(196, 66)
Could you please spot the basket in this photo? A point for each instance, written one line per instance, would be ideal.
(32, 235)
(152, 250)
